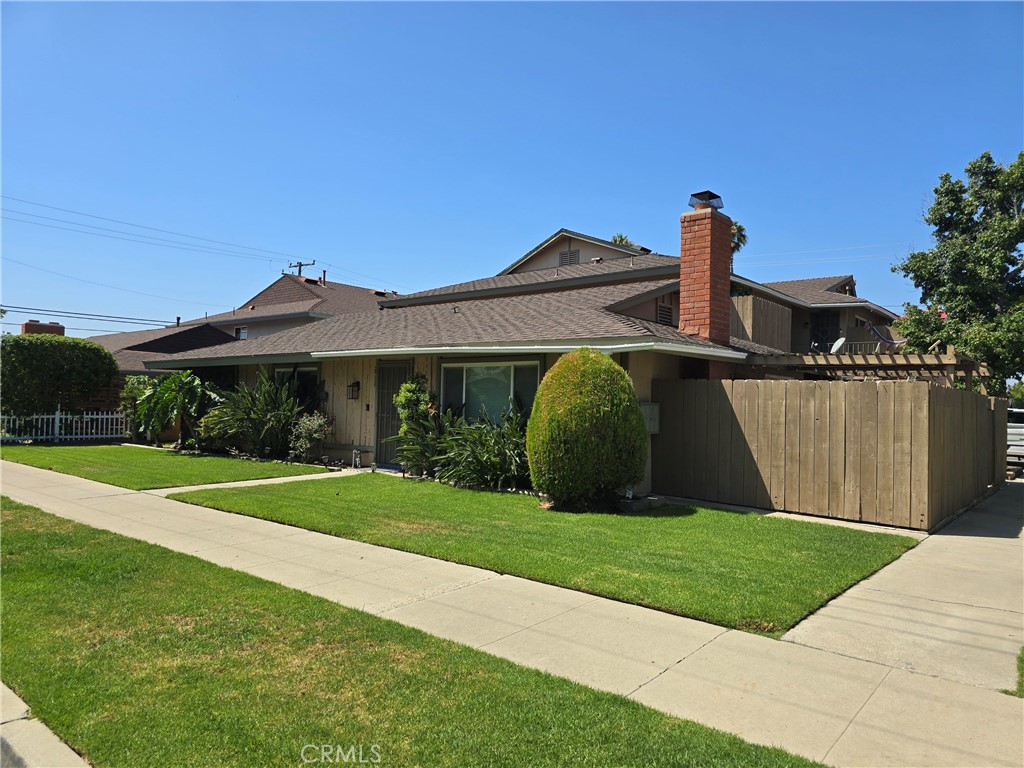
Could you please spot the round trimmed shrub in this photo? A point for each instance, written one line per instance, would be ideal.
(586, 437)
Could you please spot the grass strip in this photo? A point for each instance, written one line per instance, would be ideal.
(741, 570)
(141, 469)
(137, 655)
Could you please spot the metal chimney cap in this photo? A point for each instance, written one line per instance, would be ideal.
(706, 198)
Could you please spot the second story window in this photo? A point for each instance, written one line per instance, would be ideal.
(241, 332)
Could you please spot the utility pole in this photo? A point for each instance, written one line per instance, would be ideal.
(300, 265)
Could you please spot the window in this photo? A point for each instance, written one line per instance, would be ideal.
(483, 389)
(306, 382)
(241, 332)
(860, 322)
(565, 258)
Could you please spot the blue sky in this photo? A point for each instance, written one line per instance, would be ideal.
(415, 145)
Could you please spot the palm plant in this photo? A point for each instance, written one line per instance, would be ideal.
(180, 395)
(257, 418)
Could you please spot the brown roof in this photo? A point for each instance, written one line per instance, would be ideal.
(817, 290)
(291, 294)
(552, 278)
(131, 348)
(578, 314)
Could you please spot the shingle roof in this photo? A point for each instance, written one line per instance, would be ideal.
(551, 278)
(131, 348)
(574, 314)
(291, 294)
(817, 290)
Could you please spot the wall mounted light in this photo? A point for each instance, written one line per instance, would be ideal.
(353, 390)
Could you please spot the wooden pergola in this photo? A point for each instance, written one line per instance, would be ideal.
(943, 369)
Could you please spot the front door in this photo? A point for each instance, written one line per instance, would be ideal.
(390, 377)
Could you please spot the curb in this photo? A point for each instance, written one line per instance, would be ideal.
(28, 743)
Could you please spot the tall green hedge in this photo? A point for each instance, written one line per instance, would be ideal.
(40, 371)
(586, 437)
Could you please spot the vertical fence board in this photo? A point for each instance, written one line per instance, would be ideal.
(822, 454)
(689, 429)
(778, 463)
(750, 436)
(808, 459)
(700, 440)
(726, 429)
(852, 489)
(791, 457)
(902, 452)
(837, 449)
(869, 451)
(886, 451)
(919, 454)
(766, 405)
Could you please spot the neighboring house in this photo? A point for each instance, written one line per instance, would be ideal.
(483, 342)
(292, 301)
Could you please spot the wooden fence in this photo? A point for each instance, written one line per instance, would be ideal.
(762, 321)
(63, 427)
(907, 454)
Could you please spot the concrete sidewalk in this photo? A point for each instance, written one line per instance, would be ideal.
(814, 702)
(953, 607)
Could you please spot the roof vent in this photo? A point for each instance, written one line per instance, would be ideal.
(597, 260)
(705, 199)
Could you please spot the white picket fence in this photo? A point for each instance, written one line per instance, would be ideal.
(63, 427)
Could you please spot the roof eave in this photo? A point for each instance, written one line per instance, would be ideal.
(608, 346)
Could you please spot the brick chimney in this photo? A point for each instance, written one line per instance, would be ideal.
(705, 266)
(34, 326)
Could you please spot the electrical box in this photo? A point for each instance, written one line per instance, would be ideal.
(652, 417)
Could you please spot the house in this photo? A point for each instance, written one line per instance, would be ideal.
(292, 301)
(482, 342)
(289, 302)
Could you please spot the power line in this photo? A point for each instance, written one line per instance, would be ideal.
(134, 234)
(184, 246)
(143, 226)
(265, 259)
(114, 287)
(815, 250)
(69, 328)
(90, 315)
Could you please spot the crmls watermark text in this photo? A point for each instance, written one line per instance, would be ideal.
(355, 754)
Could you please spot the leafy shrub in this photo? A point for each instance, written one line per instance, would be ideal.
(414, 402)
(308, 435)
(586, 436)
(257, 419)
(179, 395)
(421, 427)
(132, 391)
(41, 371)
(485, 454)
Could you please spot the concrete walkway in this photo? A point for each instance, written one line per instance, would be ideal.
(952, 608)
(825, 705)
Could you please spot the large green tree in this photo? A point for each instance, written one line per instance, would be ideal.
(972, 280)
(41, 371)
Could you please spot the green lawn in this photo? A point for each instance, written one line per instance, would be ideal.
(137, 655)
(142, 468)
(738, 570)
